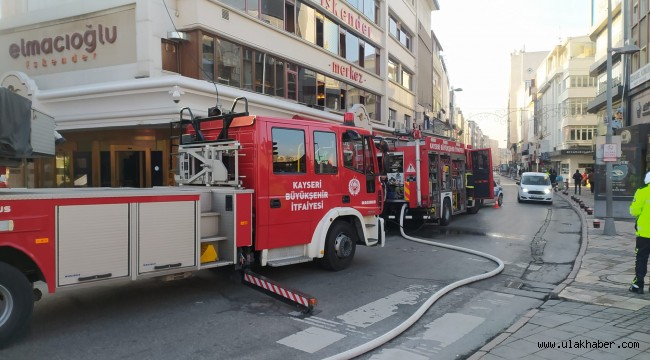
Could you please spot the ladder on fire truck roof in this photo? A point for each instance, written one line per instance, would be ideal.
(207, 162)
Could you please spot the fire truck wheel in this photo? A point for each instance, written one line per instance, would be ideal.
(340, 245)
(16, 303)
(445, 219)
(477, 206)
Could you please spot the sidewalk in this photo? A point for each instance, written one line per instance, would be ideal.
(590, 309)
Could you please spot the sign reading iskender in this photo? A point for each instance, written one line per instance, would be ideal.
(99, 40)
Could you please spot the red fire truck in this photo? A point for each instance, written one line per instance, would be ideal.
(435, 178)
(252, 189)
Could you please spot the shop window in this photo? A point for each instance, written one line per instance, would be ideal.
(259, 72)
(253, 8)
(229, 63)
(170, 56)
(306, 22)
(207, 55)
(360, 54)
(320, 90)
(354, 95)
(373, 105)
(272, 12)
(63, 172)
(331, 36)
(332, 94)
(342, 43)
(274, 76)
(307, 86)
(237, 4)
(352, 49)
(292, 82)
(320, 30)
(371, 59)
(288, 151)
(370, 10)
(82, 169)
(247, 69)
(290, 17)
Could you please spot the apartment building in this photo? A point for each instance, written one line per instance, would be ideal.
(638, 72)
(521, 107)
(107, 70)
(563, 132)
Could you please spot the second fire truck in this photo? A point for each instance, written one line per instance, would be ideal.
(435, 178)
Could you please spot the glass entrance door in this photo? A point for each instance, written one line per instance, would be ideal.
(130, 166)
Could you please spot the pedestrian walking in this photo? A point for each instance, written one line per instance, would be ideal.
(577, 179)
(640, 209)
(559, 180)
(592, 178)
(552, 176)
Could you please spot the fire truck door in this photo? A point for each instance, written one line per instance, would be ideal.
(292, 190)
(482, 173)
(359, 172)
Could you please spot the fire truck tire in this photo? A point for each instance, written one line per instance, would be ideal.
(477, 206)
(16, 303)
(340, 246)
(445, 218)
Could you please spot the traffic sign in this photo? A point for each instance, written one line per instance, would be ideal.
(610, 152)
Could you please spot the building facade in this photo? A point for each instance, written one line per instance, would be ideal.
(520, 111)
(114, 74)
(563, 131)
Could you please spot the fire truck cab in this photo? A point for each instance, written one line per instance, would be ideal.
(310, 179)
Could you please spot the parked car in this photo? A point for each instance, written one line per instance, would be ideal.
(535, 186)
(498, 193)
(498, 196)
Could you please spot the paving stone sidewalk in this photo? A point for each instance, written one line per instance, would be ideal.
(590, 315)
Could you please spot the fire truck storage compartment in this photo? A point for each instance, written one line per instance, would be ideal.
(166, 235)
(233, 226)
(93, 242)
(105, 233)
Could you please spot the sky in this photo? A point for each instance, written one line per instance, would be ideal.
(477, 38)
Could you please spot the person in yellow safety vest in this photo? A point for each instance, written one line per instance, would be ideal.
(640, 209)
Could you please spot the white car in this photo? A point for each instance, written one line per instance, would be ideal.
(535, 186)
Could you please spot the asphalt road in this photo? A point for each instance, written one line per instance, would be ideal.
(213, 316)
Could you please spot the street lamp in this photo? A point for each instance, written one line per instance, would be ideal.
(610, 227)
(451, 112)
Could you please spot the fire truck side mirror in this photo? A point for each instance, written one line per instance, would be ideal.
(275, 148)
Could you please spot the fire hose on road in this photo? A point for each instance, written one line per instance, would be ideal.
(375, 343)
